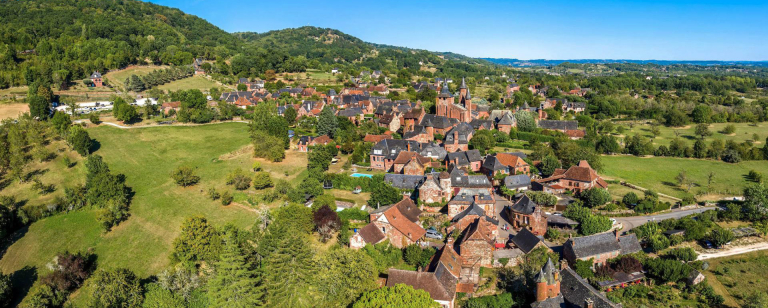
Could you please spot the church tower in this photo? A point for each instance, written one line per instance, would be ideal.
(465, 99)
(444, 101)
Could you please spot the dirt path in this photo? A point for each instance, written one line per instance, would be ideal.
(734, 251)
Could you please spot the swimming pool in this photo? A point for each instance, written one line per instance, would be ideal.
(357, 175)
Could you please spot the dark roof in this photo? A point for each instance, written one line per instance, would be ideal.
(517, 181)
(493, 164)
(445, 92)
(404, 181)
(586, 246)
(507, 119)
(427, 281)
(559, 220)
(390, 148)
(350, 112)
(629, 244)
(463, 158)
(95, 75)
(525, 240)
(524, 205)
(459, 134)
(431, 120)
(559, 125)
(474, 209)
(552, 302)
(372, 234)
(576, 291)
(479, 123)
(433, 150)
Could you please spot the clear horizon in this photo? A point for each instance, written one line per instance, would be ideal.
(558, 30)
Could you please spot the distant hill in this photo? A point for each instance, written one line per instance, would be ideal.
(322, 44)
(545, 62)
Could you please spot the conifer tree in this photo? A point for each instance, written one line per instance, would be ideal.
(235, 285)
(327, 123)
(287, 266)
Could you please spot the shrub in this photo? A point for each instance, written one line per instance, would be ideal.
(226, 198)
(262, 180)
(239, 180)
(185, 176)
(552, 234)
(595, 197)
(685, 254)
(213, 194)
(94, 118)
(630, 199)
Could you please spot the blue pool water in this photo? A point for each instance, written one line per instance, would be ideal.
(357, 175)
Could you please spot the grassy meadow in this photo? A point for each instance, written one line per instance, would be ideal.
(146, 157)
(194, 82)
(117, 78)
(12, 110)
(744, 132)
(659, 173)
(737, 277)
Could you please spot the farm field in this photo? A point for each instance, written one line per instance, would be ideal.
(737, 277)
(658, 174)
(744, 132)
(195, 82)
(146, 157)
(12, 110)
(117, 78)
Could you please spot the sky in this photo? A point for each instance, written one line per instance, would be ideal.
(588, 29)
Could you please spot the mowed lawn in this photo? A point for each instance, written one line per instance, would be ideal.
(146, 157)
(744, 132)
(195, 82)
(659, 173)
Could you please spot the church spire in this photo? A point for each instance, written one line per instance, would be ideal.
(463, 84)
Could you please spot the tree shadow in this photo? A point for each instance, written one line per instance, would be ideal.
(37, 172)
(22, 281)
(95, 146)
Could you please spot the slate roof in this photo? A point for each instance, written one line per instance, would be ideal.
(445, 92)
(517, 181)
(417, 130)
(474, 209)
(552, 302)
(465, 157)
(524, 205)
(405, 156)
(95, 75)
(576, 291)
(427, 281)
(390, 148)
(559, 220)
(629, 244)
(431, 120)
(558, 125)
(404, 181)
(459, 134)
(493, 164)
(433, 150)
(507, 119)
(525, 240)
(372, 234)
(479, 123)
(350, 112)
(587, 246)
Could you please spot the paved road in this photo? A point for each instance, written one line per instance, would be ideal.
(630, 223)
(501, 202)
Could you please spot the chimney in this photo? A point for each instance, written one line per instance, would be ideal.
(408, 145)
(589, 303)
(616, 232)
(563, 264)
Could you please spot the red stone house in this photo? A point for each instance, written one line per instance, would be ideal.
(96, 79)
(376, 138)
(468, 198)
(436, 188)
(457, 139)
(470, 160)
(419, 134)
(577, 178)
(506, 123)
(474, 212)
(411, 163)
(477, 244)
(305, 142)
(167, 107)
(505, 163)
(399, 223)
(447, 108)
(412, 118)
(526, 214)
(384, 153)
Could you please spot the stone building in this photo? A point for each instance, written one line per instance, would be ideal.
(399, 223)
(600, 247)
(577, 178)
(525, 214)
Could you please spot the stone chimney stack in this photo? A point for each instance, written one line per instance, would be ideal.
(589, 303)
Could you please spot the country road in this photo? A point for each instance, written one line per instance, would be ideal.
(630, 223)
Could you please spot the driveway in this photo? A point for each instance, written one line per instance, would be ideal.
(734, 251)
(630, 223)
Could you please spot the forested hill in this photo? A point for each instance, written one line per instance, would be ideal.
(75, 37)
(325, 45)
(58, 42)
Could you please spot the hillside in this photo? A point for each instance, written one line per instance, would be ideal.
(65, 40)
(322, 44)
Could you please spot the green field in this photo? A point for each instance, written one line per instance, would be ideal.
(117, 78)
(744, 132)
(146, 157)
(659, 173)
(739, 276)
(195, 82)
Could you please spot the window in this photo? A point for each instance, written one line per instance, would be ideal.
(378, 152)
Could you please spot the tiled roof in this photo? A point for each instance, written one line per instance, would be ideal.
(426, 281)
(372, 234)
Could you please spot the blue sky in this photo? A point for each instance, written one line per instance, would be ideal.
(589, 29)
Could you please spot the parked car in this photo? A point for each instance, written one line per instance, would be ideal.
(707, 244)
(434, 234)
